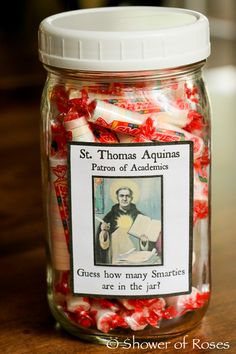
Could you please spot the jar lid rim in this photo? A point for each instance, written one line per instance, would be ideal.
(124, 38)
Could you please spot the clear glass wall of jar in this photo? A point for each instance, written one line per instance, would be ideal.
(108, 281)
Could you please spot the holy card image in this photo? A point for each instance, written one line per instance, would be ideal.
(128, 229)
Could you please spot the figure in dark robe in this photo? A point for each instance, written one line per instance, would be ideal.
(110, 224)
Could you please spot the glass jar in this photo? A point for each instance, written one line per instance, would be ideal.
(126, 171)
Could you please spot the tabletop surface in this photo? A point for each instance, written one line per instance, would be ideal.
(26, 324)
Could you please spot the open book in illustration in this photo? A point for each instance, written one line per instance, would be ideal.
(143, 225)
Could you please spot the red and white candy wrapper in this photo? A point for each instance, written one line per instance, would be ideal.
(177, 118)
(201, 209)
(168, 133)
(74, 94)
(58, 168)
(83, 133)
(143, 312)
(135, 314)
(114, 115)
(191, 93)
(104, 135)
(129, 304)
(170, 99)
(149, 130)
(58, 209)
(84, 318)
(190, 302)
(136, 321)
(156, 305)
(58, 137)
(143, 106)
(72, 121)
(115, 118)
(138, 304)
(106, 304)
(123, 138)
(78, 129)
(77, 304)
(59, 98)
(153, 309)
(177, 90)
(129, 139)
(195, 123)
(106, 320)
(201, 183)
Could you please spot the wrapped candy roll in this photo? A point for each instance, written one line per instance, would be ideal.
(104, 135)
(156, 131)
(127, 122)
(178, 118)
(77, 304)
(73, 121)
(115, 118)
(144, 312)
(136, 321)
(106, 319)
(167, 131)
(78, 129)
(170, 100)
(58, 209)
(189, 302)
(83, 133)
(131, 304)
(106, 304)
(143, 106)
(129, 139)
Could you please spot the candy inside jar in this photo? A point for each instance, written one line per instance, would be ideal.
(137, 314)
(126, 176)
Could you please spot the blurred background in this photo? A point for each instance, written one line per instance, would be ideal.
(19, 22)
(22, 78)
(25, 317)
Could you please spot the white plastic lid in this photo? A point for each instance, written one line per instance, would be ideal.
(124, 38)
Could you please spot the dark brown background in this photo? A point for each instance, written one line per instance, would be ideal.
(26, 325)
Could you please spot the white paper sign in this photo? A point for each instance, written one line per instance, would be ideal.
(114, 190)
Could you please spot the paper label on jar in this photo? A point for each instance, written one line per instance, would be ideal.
(131, 218)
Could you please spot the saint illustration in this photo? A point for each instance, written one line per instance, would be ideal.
(121, 237)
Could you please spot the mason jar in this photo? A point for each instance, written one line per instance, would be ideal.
(125, 140)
